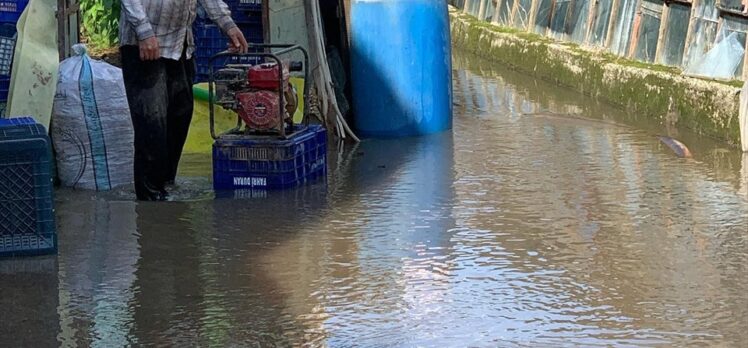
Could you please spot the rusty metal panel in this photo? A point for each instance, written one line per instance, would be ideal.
(68, 26)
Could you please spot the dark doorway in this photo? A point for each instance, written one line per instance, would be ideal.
(336, 40)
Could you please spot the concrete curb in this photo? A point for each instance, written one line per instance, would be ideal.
(707, 107)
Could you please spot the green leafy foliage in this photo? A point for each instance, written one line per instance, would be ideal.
(101, 21)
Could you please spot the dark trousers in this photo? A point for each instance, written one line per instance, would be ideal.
(160, 96)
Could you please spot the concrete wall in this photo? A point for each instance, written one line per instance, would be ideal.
(706, 107)
(287, 19)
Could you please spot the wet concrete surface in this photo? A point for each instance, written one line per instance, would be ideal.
(544, 219)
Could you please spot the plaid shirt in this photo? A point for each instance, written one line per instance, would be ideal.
(170, 21)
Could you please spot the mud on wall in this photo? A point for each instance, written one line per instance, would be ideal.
(706, 107)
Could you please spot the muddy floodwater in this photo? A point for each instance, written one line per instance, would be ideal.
(544, 219)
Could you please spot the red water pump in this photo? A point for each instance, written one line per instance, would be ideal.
(253, 92)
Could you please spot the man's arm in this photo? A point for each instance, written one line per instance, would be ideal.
(220, 14)
(135, 15)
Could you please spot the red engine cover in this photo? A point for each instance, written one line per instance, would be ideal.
(259, 109)
(265, 76)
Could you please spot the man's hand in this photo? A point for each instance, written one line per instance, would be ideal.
(237, 44)
(149, 49)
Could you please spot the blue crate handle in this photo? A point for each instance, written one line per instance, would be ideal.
(284, 49)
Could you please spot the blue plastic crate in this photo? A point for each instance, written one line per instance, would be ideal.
(4, 88)
(241, 16)
(209, 37)
(244, 18)
(27, 224)
(10, 10)
(269, 163)
(249, 5)
(7, 47)
(209, 41)
(239, 9)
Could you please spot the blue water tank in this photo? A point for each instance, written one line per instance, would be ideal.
(401, 67)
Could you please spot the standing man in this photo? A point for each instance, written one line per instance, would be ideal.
(156, 48)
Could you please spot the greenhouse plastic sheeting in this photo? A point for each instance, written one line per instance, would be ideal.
(490, 11)
(505, 12)
(743, 125)
(622, 30)
(578, 23)
(602, 20)
(523, 14)
(649, 30)
(738, 26)
(722, 61)
(558, 21)
(704, 31)
(675, 38)
(543, 18)
(472, 7)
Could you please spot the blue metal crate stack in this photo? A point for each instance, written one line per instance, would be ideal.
(241, 162)
(10, 11)
(209, 40)
(27, 225)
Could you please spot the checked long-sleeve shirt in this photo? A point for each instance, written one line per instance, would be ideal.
(170, 21)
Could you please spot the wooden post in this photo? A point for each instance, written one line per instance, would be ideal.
(496, 12)
(566, 35)
(515, 7)
(65, 10)
(591, 17)
(612, 23)
(533, 15)
(482, 10)
(660, 51)
(62, 20)
(634, 38)
(691, 31)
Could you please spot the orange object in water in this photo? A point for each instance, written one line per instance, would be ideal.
(679, 148)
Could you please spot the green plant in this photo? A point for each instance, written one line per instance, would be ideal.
(101, 21)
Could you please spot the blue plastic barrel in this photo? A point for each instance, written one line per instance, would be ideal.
(401, 67)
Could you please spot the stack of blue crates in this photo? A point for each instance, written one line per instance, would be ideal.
(10, 11)
(267, 163)
(27, 225)
(209, 40)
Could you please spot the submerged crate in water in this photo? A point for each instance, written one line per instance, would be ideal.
(269, 163)
(26, 209)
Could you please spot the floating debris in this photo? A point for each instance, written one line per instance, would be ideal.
(679, 148)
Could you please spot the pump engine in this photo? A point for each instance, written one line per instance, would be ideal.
(253, 92)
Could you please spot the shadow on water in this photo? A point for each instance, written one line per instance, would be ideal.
(28, 302)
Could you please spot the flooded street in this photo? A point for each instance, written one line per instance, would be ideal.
(544, 219)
